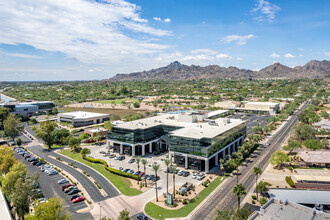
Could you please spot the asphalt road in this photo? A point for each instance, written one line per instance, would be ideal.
(225, 199)
(50, 188)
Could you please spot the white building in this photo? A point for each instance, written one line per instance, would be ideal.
(271, 107)
(80, 118)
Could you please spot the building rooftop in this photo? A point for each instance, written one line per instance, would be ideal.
(302, 196)
(94, 130)
(300, 178)
(315, 156)
(324, 123)
(262, 103)
(207, 128)
(82, 115)
(282, 209)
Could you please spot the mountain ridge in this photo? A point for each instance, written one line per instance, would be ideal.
(178, 71)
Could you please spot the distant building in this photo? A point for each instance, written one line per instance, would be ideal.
(323, 124)
(80, 118)
(192, 138)
(315, 158)
(271, 107)
(284, 210)
(28, 108)
(227, 104)
(94, 131)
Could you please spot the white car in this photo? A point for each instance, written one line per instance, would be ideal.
(194, 176)
(180, 172)
(200, 176)
(62, 181)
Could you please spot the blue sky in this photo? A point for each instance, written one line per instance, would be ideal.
(86, 39)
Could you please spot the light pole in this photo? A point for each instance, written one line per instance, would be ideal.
(100, 209)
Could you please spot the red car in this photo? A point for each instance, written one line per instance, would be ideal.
(79, 199)
(141, 174)
(88, 141)
(66, 186)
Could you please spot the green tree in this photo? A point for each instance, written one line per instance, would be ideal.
(124, 215)
(136, 104)
(97, 137)
(239, 191)
(46, 132)
(60, 134)
(278, 159)
(12, 126)
(256, 138)
(50, 210)
(16, 171)
(7, 159)
(167, 164)
(292, 144)
(303, 132)
(138, 161)
(231, 214)
(108, 125)
(4, 113)
(144, 163)
(74, 143)
(263, 187)
(313, 144)
(55, 111)
(155, 168)
(257, 171)
(18, 141)
(324, 114)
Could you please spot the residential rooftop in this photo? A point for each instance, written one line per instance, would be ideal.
(315, 156)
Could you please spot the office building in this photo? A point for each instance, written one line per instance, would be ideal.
(270, 107)
(80, 118)
(28, 108)
(193, 139)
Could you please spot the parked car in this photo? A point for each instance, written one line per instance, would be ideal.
(106, 155)
(73, 191)
(27, 156)
(75, 196)
(62, 181)
(40, 164)
(99, 143)
(154, 178)
(142, 217)
(120, 168)
(137, 173)
(194, 176)
(149, 177)
(141, 174)
(33, 159)
(66, 186)
(121, 157)
(35, 162)
(78, 199)
(131, 171)
(180, 172)
(112, 155)
(200, 176)
(126, 170)
(186, 173)
(131, 160)
(70, 188)
(102, 152)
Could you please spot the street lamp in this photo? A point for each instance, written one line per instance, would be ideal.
(100, 209)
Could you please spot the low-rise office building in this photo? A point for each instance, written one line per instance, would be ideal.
(81, 118)
(227, 104)
(315, 158)
(92, 132)
(194, 141)
(270, 107)
(28, 108)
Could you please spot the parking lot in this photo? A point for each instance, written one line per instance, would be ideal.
(51, 188)
(251, 120)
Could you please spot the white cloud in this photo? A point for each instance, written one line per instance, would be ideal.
(223, 56)
(22, 55)
(266, 11)
(199, 57)
(204, 51)
(88, 31)
(239, 39)
(300, 49)
(239, 58)
(275, 55)
(166, 20)
(289, 55)
(327, 54)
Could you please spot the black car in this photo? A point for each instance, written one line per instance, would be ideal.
(35, 162)
(75, 196)
(142, 217)
(121, 158)
(186, 173)
(73, 191)
(40, 164)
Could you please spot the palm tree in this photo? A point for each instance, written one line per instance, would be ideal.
(222, 167)
(174, 169)
(137, 161)
(144, 162)
(239, 191)
(155, 167)
(167, 163)
(257, 171)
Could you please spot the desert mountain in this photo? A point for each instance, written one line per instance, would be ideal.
(178, 71)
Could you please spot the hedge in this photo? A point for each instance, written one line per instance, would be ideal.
(289, 181)
(111, 170)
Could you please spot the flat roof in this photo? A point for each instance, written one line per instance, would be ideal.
(302, 196)
(315, 156)
(262, 103)
(94, 130)
(287, 210)
(195, 130)
(214, 113)
(82, 115)
(311, 178)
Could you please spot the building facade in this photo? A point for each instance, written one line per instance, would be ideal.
(193, 140)
(80, 118)
(28, 108)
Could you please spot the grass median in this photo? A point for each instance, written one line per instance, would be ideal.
(158, 212)
(121, 183)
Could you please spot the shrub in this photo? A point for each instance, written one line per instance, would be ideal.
(289, 180)
(184, 201)
(290, 168)
(263, 201)
(254, 197)
(253, 202)
(98, 185)
(85, 151)
(58, 158)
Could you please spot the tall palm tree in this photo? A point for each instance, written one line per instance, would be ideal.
(155, 167)
(145, 162)
(239, 191)
(257, 171)
(174, 169)
(138, 161)
(167, 163)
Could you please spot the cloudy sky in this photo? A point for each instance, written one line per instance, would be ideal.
(96, 39)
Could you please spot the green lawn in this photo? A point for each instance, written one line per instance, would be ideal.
(121, 183)
(117, 101)
(160, 213)
(54, 146)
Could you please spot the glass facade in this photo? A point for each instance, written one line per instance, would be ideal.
(140, 135)
(205, 147)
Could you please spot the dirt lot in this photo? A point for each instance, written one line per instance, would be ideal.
(121, 112)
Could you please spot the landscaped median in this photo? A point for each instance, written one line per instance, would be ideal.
(158, 212)
(116, 177)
